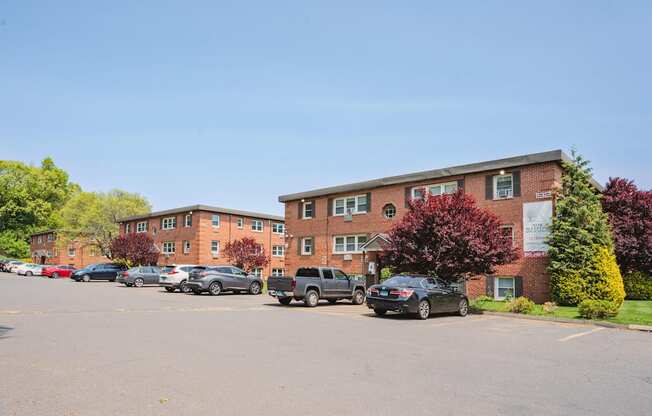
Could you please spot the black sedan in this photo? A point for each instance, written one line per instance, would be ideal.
(419, 295)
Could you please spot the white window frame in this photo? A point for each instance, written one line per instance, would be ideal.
(258, 272)
(386, 207)
(219, 220)
(496, 287)
(127, 228)
(143, 229)
(186, 222)
(166, 245)
(305, 252)
(356, 205)
(186, 246)
(278, 272)
(357, 243)
(430, 186)
(215, 253)
(278, 250)
(39, 239)
(511, 227)
(169, 223)
(495, 181)
(275, 226)
(254, 228)
(50, 237)
(312, 210)
(240, 222)
(72, 252)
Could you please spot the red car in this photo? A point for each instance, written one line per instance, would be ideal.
(58, 271)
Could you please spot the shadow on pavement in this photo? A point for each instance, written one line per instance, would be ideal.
(4, 330)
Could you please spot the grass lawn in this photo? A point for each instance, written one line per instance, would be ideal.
(632, 311)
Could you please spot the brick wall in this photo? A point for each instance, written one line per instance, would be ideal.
(323, 228)
(53, 252)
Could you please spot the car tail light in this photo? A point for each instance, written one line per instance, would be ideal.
(402, 293)
(125, 274)
(172, 272)
(372, 292)
(202, 274)
(294, 284)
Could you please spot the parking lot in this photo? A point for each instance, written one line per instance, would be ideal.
(98, 348)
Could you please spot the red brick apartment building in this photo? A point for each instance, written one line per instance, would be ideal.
(45, 250)
(345, 226)
(197, 234)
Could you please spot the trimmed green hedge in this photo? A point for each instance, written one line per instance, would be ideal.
(597, 309)
(638, 286)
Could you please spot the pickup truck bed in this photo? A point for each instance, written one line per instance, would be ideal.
(283, 283)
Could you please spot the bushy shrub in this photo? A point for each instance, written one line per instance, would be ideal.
(604, 281)
(483, 298)
(520, 305)
(597, 309)
(568, 288)
(638, 286)
(549, 307)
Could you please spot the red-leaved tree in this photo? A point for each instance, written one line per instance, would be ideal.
(448, 236)
(630, 216)
(246, 254)
(134, 249)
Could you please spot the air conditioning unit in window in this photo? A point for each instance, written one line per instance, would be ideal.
(349, 215)
(504, 193)
(347, 257)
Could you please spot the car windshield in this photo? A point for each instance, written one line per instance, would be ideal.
(403, 281)
(166, 269)
(134, 269)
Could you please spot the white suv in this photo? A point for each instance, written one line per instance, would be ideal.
(175, 277)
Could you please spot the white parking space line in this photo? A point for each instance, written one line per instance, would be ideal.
(580, 334)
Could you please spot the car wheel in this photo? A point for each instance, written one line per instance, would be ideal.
(423, 311)
(169, 289)
(463, 309)
(139, 282)
(55, 275)
(215, 288)
(86, 278)
(380, 312)
(185, 288)
(312, 298)
(332, 301)
(254, 289)
(284, 301)
(29, 274)
(358, 297)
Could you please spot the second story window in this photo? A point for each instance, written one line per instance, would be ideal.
(215, 220)
(308, 210)
(169, 223)
(306, 246)
(71, 251)
(278, 228)
(435, 190)
(257, 225)
(348, 243)
(350, 205)
(127, 228)
(215, 248)
(239, 223)
(503, 186)
(50, 237)
(169, 247)
(278, 251)
(508, 233)
(39, 239)
(186, 247)
(141, 227)
(187, 220)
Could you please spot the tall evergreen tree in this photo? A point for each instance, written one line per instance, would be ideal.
(580, 240)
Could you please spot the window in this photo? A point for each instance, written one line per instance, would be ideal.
(308, 210)
(169, 223)
(92, 252)
(348, 243)
(434, 189)
(258, 272)
(340, 275)
(127, 228)
(49, 253)
(350, 205)
(306, 246)
(187, 220)
(503, 186)
(508, 232)
(278, 228)
(259, 249)
(278, 251)
(278, 272)
(186, 246)
(215, 220)
(308, 272)
(327, 273)
(389, 211)
(504, 287)
(39, 239)
(237, 272)
(240, 223)
(71, 251)
(169, 247)
(215, 248)
(50, 237)
(141, 227)
(257, 225)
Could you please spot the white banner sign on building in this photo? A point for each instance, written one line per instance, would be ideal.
(537, 218)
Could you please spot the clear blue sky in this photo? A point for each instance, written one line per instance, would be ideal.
(235, 103)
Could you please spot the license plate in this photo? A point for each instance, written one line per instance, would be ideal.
(384, 293)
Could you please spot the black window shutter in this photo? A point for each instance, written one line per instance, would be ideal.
(330, 207)
(408, 196)
(161, 225)
(489, 187)
(299, 244)
(300, 209)
(368, 201)
(489, 286)
(460, 184)
(516, 182)
(518, 286)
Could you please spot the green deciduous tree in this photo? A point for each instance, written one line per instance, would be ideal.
(93, 215)
(581, 245)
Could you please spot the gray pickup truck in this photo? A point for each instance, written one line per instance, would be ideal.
(313, 283)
